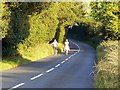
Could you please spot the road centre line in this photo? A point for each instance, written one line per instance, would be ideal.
(37, 76)
(17, 86)
(63, 62)
(76, 45)
(47, 70)
(66, 59)
(70, 56)
(50, 70)
(57, 65)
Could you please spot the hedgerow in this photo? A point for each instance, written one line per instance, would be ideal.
(107, 67)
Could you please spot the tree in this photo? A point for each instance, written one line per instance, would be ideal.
(106, 14)
(28, 24)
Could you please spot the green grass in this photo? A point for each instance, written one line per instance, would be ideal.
(11, 62)
(107, 67)
(28, 55)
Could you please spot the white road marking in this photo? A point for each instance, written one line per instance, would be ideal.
(50, 70)
(76, 45)
(57, 65)
(69, 57)
(17, 86)
(63, 62)
(37, 76)
(66, 59)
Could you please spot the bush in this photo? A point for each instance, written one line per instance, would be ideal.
(107, 68)
(35, 52)
(60, 47)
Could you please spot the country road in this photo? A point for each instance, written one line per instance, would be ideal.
(56, 71)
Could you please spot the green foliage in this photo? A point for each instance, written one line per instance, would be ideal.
(34, 52)
(60, 48)
(107, 68)
(107, 13)
(4, 19)
(85, 32)
(28, 54)
(35, 23)
(12, 62)
(43, 26)
(28, 27)
(61, 34)
(65, 15)
(16, 29)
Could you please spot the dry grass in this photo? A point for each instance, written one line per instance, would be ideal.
(107, 68)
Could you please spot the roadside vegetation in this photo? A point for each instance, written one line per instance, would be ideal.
(12, 62)
(101, 32)
(107, 67)
(107, 22)
(28, 55)
(29, 28)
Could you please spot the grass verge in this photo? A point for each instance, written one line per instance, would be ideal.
(107, 75)
(11, 62)
(107, 67)
(28, 55)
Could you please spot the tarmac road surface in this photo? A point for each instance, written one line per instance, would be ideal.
(57, 71)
